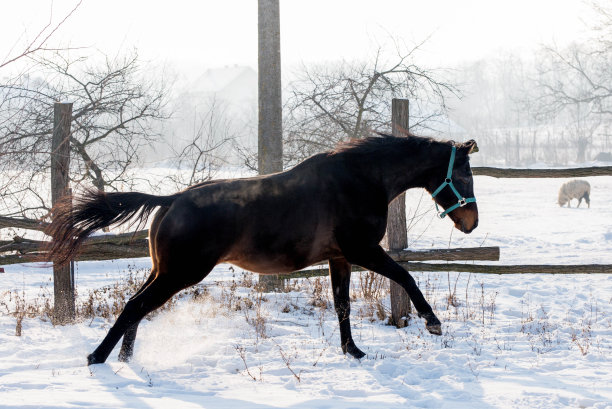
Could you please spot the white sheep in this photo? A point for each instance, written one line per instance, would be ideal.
(575, 189)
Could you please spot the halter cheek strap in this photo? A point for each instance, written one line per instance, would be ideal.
(449, 182)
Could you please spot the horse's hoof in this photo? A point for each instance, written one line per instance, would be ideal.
(125, 354)
(356, 352)
(432, 323)
(124, 357)
(92, 360)
(353, 351)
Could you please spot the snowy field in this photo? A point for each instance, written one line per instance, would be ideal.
(516, 341)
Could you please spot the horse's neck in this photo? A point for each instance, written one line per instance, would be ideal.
(408, 170)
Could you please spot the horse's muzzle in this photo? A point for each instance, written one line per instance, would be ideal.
(465, 218)
(468, 230)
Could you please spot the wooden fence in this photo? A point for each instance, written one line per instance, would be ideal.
(130, 245)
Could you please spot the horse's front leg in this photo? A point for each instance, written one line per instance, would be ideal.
(376, 259)
(340, 274)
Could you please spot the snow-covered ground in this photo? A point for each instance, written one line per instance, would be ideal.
(516, 341)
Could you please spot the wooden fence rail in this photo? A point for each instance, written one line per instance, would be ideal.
(130, 245)
(477, 268)
(542, 173)
(19, 223)
(106, 247)
(514, 269)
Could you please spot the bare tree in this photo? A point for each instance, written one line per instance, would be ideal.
(115, 108)
(576, 82)
(578, 74)
(498, 109)
(198, 157)
(39, 43)
(330, 103)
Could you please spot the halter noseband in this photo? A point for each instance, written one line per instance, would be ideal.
(449, 181)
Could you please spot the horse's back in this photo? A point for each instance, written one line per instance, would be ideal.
(269, 224)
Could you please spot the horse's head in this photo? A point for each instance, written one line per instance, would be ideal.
(452, 186)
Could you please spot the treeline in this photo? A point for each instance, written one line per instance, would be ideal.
(553, 107)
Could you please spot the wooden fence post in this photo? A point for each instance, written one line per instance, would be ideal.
(397, 235)
(63, 277)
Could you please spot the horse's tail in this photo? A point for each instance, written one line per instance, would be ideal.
(73, 222)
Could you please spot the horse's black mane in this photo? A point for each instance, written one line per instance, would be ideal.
(381, 143)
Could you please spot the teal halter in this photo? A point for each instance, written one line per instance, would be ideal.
(449, 182)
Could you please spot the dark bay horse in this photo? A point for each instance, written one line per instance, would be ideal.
(333, 206)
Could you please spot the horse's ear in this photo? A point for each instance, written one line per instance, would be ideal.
(470, 146)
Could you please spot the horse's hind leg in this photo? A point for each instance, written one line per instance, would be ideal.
(127, 347)
(340, 274)
(160, 290)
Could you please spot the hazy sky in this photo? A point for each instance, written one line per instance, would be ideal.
(224, 32)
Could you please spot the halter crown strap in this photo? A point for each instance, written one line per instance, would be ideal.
(449, 182)
(451, 162)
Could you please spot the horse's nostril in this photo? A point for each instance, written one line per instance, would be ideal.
(467, 231)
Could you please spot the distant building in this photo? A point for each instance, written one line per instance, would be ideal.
(231, 92)
(236, 85)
